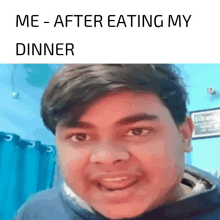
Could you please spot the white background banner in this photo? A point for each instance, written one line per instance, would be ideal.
(110, 31)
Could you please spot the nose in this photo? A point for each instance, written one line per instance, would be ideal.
(109, 154)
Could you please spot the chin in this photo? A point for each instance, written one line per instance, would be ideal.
(121, 215)
(121, 211)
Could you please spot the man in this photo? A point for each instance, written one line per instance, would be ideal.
(122, 132)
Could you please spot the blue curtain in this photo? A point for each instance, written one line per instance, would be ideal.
(26, 167)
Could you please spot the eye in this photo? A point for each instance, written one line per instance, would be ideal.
(80, 137)
(138, 132)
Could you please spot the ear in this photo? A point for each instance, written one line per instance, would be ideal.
(186, 130)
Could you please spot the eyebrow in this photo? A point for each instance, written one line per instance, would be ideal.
(79, 124)
(131, 119)
(136, 118)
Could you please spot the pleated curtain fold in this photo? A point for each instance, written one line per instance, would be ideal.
(26, 167)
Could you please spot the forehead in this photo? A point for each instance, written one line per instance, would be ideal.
(114, 107)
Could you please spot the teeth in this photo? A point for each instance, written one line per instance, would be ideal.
(104, 189)
(115, 179)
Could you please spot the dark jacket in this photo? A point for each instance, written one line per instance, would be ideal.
(54, 205)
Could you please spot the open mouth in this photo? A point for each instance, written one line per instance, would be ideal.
(108, 188)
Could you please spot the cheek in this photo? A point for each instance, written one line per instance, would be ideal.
(149, 153)
(73, 162)
(151, 158)
(157, 159)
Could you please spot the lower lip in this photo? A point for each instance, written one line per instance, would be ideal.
(120, 196)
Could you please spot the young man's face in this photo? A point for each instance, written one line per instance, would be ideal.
(126, 157)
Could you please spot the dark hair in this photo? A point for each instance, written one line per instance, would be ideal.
(75, 87)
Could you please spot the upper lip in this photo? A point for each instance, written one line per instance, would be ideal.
(100, 177)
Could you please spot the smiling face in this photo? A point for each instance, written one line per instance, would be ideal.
(126, 156)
